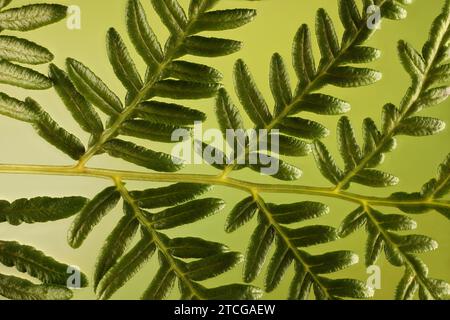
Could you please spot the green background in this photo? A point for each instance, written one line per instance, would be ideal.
(414, 161)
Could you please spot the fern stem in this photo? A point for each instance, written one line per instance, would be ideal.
(246, 186)
(419, 88)
(405, 256)
(263, 207)
(156, 238)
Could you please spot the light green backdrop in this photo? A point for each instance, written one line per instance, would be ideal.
(415, 160)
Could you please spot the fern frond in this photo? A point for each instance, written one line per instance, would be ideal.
(333, 69)
(273, 222)
(115, 267)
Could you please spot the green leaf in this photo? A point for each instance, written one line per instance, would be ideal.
(199, 6)
(372, 137)
(93, 88)
(302, 128)
(179, 89)
(414, 243)
(390, 116)
(127, 266)
(326, 164)
(355, 220)
(311, 235)
(420, 126)
(301, 285)
(189, 71)
(169, 196)
(322, 104)
(260, 242)
(23, 51)
(411, 60)
(326, 37)
(116, 244)
(210, 47)
(141, 156)
(396, 222)
(297, 212)
(32, 16)
(15, 109)
(162, 283)
(375, 178)
(348, 288)
(48, 129)
(330, 262)
(91, 215)
(40, 209)
(407, 286)
(374, 246)
(171, 14)
(302, 56)
(20, 289)
(285, 145)
(36, 264)
(280, 84)
(80, 109)
(142, 35)
(392, 10)
(241, 214)
(23, 77)
(350, 16)
(433, 97)
(285, 172)
(223, 19)
(360, 54)
(281, 260)
(250, 96)
(348, 146)
(168, 113)
(194, 248)
(186, 213)
(227, 113)
(121, 61)
(212, 266)
(347, 77)
(148, 130)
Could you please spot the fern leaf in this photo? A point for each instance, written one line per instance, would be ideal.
(302, 56)
(142, 35)
(80, 109)
(15, 109)
(297, 212)
(162, 283)
(116, 244)
(223, 19)
(93, 88)
(121, 61)
(227, 113)
(31, 16)
(210, 47)
(40, 209)
(420, 126)
(168, 196)
(180, 89)
(141, 156)
(355, 220)
(280, 84)
(147, 130)
(91, 215)
(189, 71)
(35, 263)
(169, 113)
(302, 128)
(321, 104)
(241, 214)
(23, 77)
(20, 289)
(194, 248)
(186, 213)
(172, 15)
(233, 292)
(211, 266)
(127, 266)
(48, 129)
(23, 51)
(326, 37)
(249, 95)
